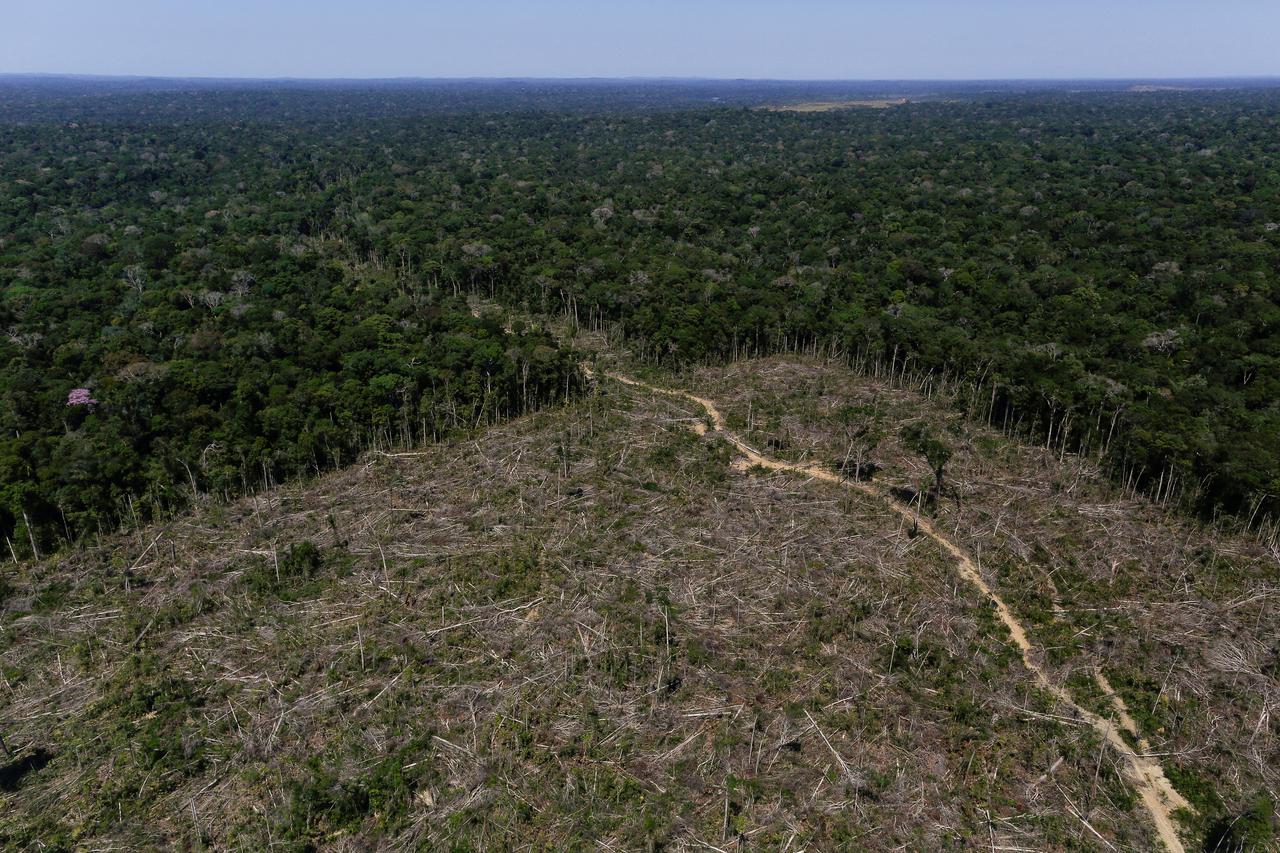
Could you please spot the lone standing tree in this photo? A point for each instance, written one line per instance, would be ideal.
(863, 433)
(923, 439)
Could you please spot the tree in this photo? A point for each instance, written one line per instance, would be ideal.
(135, 277)
(863, 432)
(924, 440)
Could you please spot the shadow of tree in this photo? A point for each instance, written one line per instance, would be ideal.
(12, 774)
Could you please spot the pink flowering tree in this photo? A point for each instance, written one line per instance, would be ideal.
(81, 397)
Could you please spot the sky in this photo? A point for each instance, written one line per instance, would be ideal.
(784, 39)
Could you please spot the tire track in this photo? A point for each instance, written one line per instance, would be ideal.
(1146, 774)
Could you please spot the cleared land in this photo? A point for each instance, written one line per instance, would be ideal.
(589, 628)
(829, 106)
(1144, 772)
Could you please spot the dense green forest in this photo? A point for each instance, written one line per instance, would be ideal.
(206, 290)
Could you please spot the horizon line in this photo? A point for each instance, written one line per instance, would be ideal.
(71, 75)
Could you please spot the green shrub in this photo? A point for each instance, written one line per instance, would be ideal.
(286, 572)
(322, 802)
(1252, 829)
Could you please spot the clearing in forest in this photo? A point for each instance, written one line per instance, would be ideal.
(590, 627)
(831, 106)
(1145, 773)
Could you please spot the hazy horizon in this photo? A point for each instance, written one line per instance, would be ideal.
(811, 40)
(636, 78)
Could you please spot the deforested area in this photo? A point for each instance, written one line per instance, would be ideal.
(1118, 594)
(590, 625)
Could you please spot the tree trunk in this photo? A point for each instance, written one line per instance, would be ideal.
(31, 535)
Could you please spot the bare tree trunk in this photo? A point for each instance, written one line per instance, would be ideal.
(31, 535)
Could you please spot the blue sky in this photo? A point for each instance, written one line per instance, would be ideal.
(799, 39)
